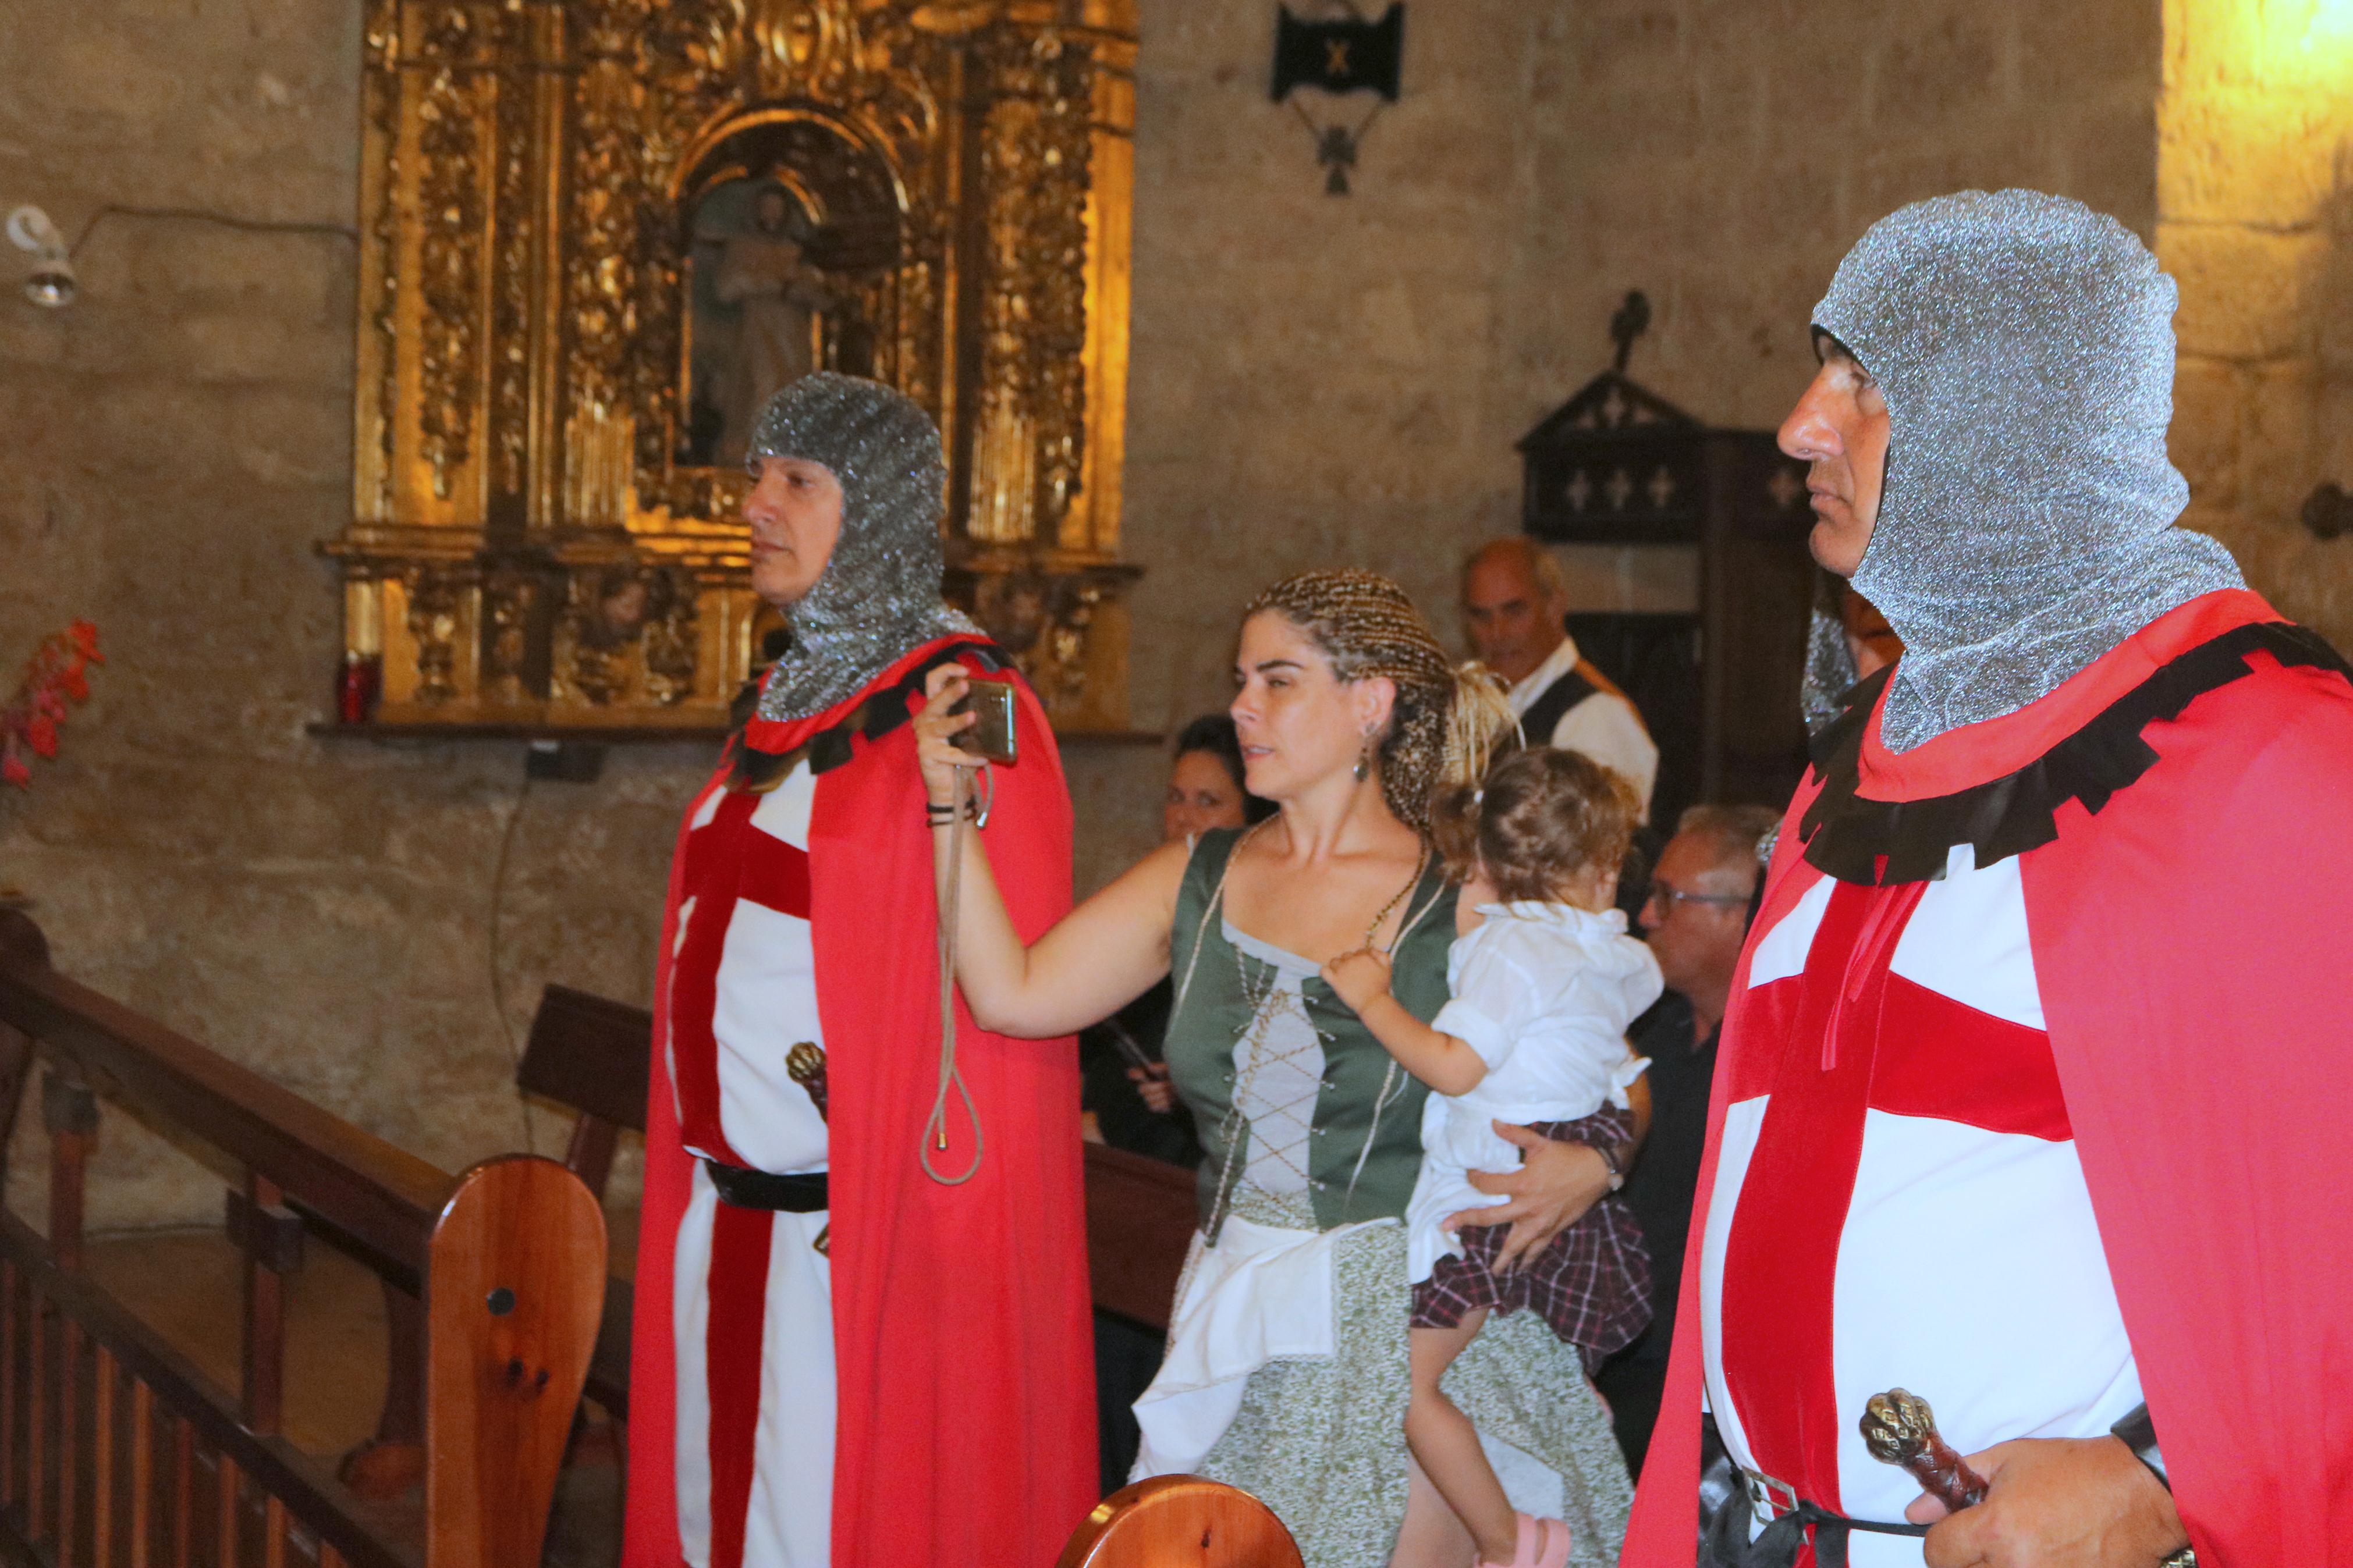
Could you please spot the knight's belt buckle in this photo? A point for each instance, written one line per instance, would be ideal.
(1772, 1497)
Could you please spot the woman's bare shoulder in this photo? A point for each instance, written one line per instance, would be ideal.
(1152, 883)
(1165, 866)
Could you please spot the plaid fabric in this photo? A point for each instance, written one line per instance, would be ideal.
(1592, 1283)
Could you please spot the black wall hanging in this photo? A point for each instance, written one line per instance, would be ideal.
(1342, 56)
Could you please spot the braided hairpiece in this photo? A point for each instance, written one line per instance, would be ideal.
(1448, 719)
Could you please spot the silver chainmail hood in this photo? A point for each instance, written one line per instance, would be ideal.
(879, 595)
(1829, 662)
(2024, 344)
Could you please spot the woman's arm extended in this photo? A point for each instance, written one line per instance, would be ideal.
(1446, 1063)
(1097, 959)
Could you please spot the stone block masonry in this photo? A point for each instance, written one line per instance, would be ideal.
(2255, 218)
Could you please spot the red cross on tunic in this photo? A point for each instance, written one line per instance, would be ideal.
(728, 861)
(1830, 1044)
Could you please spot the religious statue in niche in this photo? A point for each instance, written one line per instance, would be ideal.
(759, 309)
(791, 231)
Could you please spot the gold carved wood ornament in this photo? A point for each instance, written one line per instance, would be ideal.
(597, 234)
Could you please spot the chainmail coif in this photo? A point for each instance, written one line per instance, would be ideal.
(879, 595)
(1446, 719)
(2024, 344)
(1829, 662)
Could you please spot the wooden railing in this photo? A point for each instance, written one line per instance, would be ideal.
(116, 1453)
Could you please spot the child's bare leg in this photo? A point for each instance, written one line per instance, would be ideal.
(1447, 1445)
(1430, 1537)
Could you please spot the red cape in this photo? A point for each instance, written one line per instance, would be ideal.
(962, 1338)
(2188, 939)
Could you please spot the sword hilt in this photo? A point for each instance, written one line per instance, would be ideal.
(805, 1065)
(1900, 1429)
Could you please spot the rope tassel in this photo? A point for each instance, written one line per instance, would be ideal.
(936, 1126)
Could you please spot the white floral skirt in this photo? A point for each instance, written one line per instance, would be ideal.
(1321, 1437)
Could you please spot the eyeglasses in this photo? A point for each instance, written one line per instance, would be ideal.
(1661, 893)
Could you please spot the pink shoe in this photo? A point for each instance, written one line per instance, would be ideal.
(1543, 1544)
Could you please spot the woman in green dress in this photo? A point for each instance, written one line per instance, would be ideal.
(1287, 1370)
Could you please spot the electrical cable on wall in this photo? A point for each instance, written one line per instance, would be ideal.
(53, 284)
(200, 214)
(498, 975)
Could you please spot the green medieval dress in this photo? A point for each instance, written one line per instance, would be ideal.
(1309, 1126)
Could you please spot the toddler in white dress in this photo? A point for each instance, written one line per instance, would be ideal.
(1545, 982)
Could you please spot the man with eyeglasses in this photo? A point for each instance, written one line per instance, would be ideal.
(1694, 919)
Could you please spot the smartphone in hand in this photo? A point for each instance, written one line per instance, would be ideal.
(993, 737)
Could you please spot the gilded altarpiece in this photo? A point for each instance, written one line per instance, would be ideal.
(596, 233)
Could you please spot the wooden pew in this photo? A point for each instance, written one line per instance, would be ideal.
(594, 1055)
(591, 1054)
(1180, 1521)
(1140, 1217)
(114, 1450)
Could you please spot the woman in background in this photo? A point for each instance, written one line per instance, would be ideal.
(1128, 1102)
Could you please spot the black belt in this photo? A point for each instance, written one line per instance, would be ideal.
(744, 1189)
(1778, 1545)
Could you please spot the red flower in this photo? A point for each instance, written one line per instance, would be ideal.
(55, 679)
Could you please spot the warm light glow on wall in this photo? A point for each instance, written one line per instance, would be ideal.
(2328, 30)
(2303, 43)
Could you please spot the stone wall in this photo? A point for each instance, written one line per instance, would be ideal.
(177, 442)
(1322, 380)
(2255, 219)
(1315, 380)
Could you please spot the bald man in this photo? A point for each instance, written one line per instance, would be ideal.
(1515, 604)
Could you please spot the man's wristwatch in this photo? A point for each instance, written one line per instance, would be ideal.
(2138, 1433)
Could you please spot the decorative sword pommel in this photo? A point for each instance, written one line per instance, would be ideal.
(1900, 1429)
(805, 1065)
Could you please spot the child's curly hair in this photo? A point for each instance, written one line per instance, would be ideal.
(1542, 816)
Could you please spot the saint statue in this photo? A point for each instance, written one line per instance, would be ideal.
(780, 296)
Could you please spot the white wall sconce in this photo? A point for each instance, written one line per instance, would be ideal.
(52, 285)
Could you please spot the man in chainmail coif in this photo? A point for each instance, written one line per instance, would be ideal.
(838, 1359)
(1984, 1128)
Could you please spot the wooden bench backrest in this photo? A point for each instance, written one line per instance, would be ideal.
(1180, 1519)
(1140, 1217)
(594, 1055)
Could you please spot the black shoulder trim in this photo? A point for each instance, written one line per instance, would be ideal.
(829, 748)
(1881, 843)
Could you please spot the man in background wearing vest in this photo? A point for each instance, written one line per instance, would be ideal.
(1514, 604)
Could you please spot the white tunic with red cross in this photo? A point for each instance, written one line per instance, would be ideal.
(753, 1295)
(1898, 1201)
